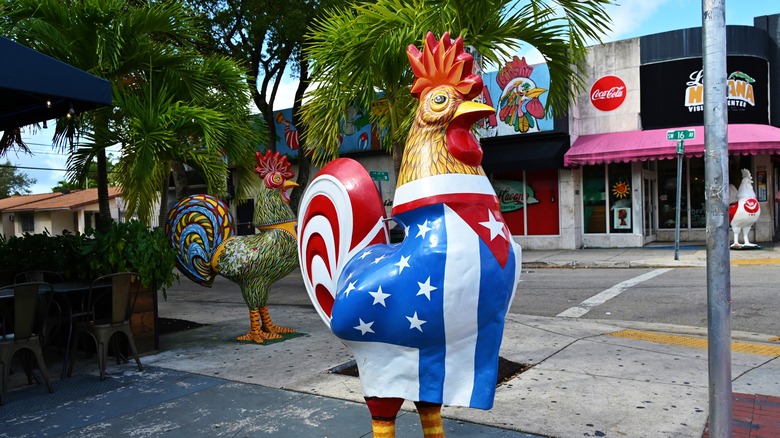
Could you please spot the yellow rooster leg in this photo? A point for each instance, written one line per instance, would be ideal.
(430, 417)
(255, 333)
(383, 413)
(272, 330)
(383, 428)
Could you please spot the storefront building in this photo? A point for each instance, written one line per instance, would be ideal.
(606, 175)
(624, 168)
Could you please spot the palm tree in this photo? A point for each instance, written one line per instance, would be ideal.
(170, 103)
(359, 54)
(201, 123)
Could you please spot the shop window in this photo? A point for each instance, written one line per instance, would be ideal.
(607, 198)
(667, 194)
(692, 196)
(529, 202)
(620, 198)
(594, 199)
(698, 204)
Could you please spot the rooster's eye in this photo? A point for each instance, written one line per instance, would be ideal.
(438, 102)
(274, 180)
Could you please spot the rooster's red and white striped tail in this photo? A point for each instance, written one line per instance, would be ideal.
(340, 213)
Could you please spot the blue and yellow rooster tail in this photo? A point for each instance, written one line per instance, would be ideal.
(197, 227)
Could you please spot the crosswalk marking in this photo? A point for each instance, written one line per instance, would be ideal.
(602, 297)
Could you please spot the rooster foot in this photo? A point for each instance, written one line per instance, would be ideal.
(255, 333)
(269, 326)
(251, 337)
(258, 337)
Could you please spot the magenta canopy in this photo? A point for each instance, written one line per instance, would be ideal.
(624, 147)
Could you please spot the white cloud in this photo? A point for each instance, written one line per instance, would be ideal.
(285, 96)
(628, 15)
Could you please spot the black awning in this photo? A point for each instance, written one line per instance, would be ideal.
(524, 152)
(31, 79)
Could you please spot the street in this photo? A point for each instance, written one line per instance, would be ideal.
(670, 295)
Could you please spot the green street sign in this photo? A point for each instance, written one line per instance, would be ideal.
(681, 134)
(378, 175)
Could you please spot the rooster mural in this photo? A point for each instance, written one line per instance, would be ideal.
(520, 106)
(202, 233)
(424, 318)
(744, 210)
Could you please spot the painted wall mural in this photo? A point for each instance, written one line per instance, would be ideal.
(518, 91)
(357, 134)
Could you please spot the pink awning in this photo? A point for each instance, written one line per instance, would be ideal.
(624, 147)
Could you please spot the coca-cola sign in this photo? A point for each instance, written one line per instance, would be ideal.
(608, 93)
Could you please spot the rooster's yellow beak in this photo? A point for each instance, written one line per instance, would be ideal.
(475, 110)
(286, 187)
(535, 92)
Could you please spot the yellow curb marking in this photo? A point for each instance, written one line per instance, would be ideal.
(687, 341)
(756, 262)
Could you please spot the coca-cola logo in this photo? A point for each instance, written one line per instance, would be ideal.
(751, 205)
(608, 93)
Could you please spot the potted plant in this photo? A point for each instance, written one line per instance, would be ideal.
(131, 246)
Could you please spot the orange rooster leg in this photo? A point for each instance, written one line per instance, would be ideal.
(269, 327)
(383, 413)
(430, 418)
(255, 333)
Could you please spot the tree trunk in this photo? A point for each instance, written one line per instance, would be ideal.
(180, 180)
(304, 160)
(398, 155)
(163, 217)
(104, 218)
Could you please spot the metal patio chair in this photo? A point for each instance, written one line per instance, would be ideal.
(27, 298)
(109, 313)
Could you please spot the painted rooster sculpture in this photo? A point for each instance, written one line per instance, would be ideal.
(202, 232)
(424, 318)
(744, 210)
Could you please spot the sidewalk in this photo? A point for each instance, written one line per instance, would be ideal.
(589, 377)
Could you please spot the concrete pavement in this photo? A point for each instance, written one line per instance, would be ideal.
(588, 377)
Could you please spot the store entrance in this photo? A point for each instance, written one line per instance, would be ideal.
(776, 209)
(649, 225)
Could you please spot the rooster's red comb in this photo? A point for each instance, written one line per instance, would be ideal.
(443, 62)
(273, 162)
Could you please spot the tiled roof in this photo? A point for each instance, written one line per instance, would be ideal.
(55, 201)
(15, 201)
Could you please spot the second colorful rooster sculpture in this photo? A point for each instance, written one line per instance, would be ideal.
(423, 318)
(203, 235)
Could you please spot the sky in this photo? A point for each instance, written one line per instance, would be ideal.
(630, 18)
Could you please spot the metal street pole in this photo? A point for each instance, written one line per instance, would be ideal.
(716, 191)
(680, 151)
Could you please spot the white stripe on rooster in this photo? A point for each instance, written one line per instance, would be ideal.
(744, 211)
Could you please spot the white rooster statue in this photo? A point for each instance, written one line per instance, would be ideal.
(744, 210)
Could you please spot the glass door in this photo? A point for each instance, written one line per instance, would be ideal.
(649, 206)
(776, 194)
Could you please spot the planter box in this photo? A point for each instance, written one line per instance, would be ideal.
(143, 321)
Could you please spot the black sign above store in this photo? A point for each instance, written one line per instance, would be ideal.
(672, 93)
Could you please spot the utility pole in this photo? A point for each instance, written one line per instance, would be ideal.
(716, 179)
